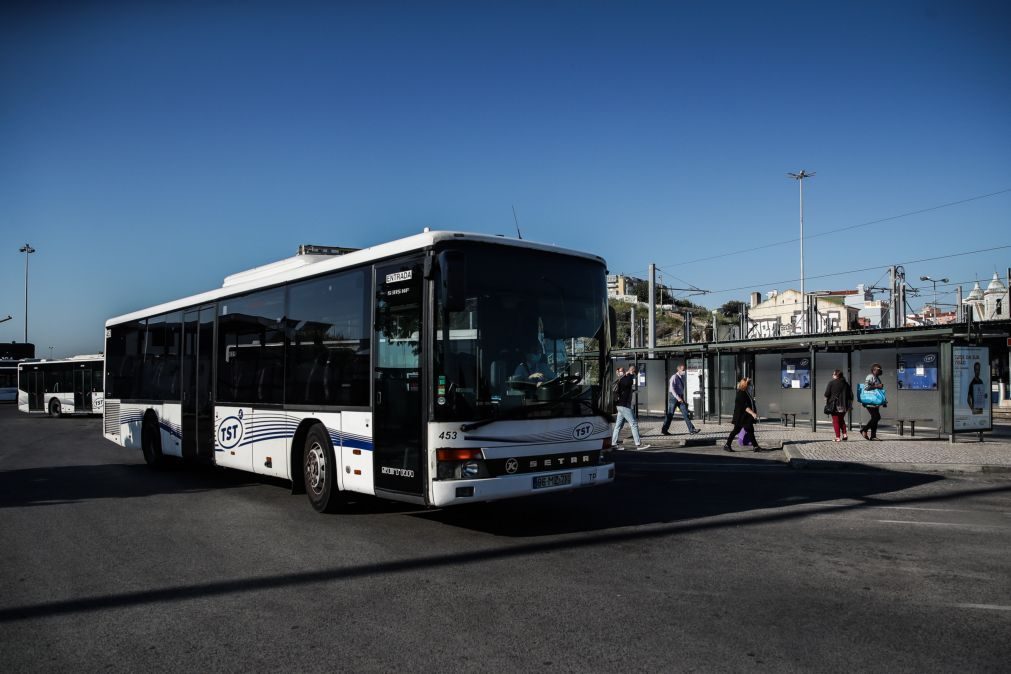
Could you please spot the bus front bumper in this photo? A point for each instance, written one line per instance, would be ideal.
(454, 492)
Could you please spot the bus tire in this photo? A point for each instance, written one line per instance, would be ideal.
(54, 408)
(319, 470)
(150, 442)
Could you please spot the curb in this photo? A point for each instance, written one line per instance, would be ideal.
(798, 461)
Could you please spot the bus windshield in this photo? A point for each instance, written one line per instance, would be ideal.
(523, 337)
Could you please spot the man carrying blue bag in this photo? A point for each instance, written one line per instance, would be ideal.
(872, 397)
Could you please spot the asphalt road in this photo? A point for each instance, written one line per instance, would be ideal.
(106, 565)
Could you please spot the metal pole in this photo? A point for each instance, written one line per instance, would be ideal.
(814, 391)
(26, 295)
(893, 297)
(631, 329)
(652, 308)
(799, 177)
(803, 297)
(27, 250)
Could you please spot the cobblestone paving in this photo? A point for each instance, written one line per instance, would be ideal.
(925, 448)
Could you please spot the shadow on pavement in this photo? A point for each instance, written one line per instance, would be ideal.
(58, 485)
(659, 490)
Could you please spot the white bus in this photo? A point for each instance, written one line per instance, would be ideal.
(60, 387)
(8, 380)
(389, 371)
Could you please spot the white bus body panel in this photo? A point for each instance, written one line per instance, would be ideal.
(233, 443)
(170, 423)
(353, 443)
(131, 423)
(513, 440)
(131, 419)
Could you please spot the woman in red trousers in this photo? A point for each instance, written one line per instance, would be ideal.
(838, 403)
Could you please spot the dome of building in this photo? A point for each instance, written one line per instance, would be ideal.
(995, 287)
(976, 294)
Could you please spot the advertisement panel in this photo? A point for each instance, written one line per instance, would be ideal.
(917, 371)
(970, 384)
(796, 373)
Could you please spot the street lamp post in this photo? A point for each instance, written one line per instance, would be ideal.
(27, 250)
(799, 177)
(934, 282)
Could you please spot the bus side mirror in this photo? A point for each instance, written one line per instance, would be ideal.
(453, 272)
(612, 324)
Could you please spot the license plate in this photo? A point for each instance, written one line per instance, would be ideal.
(542, 481)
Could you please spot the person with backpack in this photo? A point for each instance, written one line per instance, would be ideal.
(623, 401)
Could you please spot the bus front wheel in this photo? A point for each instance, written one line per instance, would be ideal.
(319, 468)
(54, 408)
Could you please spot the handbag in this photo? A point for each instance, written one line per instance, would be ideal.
(742, 438)
(874, 397)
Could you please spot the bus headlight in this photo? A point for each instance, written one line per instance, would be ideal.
(460, 464)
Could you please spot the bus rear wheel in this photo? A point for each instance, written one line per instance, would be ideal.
(319, 468)
(150, 443)
(54, 408)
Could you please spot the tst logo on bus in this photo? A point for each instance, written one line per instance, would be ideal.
(582, 431)
(230, 431)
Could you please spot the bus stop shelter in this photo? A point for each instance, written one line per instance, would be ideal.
(937, 378)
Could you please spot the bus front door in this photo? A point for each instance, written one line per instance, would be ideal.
(197, 410)
(398, 447)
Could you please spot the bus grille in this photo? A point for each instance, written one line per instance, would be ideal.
(111, 418)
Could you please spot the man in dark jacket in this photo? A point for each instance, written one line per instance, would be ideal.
(676, 400)
(623, 401)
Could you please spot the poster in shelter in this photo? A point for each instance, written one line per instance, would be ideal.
(970, 383)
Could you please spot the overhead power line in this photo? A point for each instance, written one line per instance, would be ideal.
(847, 228)
(864, 269)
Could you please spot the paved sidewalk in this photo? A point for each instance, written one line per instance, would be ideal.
(801, 448)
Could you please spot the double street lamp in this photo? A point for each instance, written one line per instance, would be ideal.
(27, 250)
(934, 282)
(799, 177)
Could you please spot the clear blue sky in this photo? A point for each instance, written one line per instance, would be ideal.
(149, 149)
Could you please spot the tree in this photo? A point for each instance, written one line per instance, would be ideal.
(732, 309)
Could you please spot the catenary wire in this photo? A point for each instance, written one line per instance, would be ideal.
(864, 269)
(841, 229)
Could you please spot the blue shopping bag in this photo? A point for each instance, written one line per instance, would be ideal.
(874, 397)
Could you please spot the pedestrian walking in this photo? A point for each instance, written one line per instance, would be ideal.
(872, 402)
(623, 402)
(676, 401)
(838, 401)
(744, 417)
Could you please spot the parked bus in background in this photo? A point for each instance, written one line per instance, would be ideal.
(8, 381)
(391, 371)
(58, 387)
